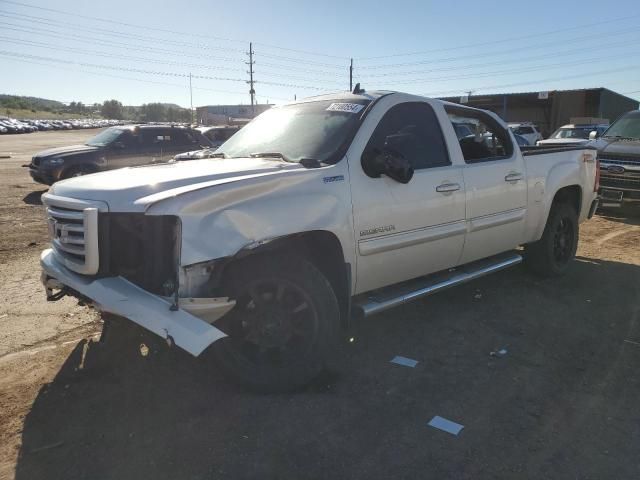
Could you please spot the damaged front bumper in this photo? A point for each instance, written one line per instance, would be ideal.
(119, 296)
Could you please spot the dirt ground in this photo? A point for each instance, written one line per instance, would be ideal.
(562, 403)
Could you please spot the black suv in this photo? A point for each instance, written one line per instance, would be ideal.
(116, 147)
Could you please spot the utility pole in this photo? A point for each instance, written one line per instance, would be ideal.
(191, 95)
(351, 76)
(252, 91)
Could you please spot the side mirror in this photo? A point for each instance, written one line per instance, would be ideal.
(593, 135)
(388, 162)
(118, 145)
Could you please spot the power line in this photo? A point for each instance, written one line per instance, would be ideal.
(583, 51)
(110, 43)
(151, 72)
(102, 31)
(144, 38)
(95, 53)
(154, 82)
(158, 51)
(500, 52)
(124, 69)
(163, 30)
(514, 71)
(113, 55)
(556, 79)
(503, 40)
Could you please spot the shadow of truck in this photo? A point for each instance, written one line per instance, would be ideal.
(562, 403)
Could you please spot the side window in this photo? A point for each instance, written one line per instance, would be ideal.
(128, 139)
(412, 131)
(152, 137)
(487, 141)
(182, 137)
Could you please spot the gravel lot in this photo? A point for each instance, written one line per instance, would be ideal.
(562, 403)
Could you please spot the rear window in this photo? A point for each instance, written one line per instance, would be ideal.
(521, 130)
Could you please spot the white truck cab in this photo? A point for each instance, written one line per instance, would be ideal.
(316, 211)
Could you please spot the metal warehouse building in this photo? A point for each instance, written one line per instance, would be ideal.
(550, 110)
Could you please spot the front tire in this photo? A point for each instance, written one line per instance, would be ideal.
(552, 254)
(284, 325)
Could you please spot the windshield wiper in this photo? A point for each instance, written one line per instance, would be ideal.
(217, 155)
(279, 155)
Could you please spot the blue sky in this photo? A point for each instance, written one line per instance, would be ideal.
(65, 50)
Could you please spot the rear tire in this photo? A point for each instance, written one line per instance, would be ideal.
(552, 254)
(284, 325)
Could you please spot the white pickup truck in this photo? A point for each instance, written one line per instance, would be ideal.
(315, 212)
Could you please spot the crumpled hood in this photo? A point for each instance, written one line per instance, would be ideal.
(624, 148)
(125, 190)
(65, 151)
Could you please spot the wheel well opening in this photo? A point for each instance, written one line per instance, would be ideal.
(324, 250)
(571, 195)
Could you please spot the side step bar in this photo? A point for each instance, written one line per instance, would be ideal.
(380, 300)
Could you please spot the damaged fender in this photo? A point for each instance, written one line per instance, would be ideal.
(221, 220)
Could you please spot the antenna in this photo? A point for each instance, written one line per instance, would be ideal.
(357, 90)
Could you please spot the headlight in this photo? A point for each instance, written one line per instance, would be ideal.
(54, 161)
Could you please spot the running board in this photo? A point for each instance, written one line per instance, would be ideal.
(383, 299)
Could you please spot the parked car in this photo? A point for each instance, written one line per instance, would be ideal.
(337, 205)
(619, 155)
(115, 147)
(219, 134)
(572, 134)
(527, 130)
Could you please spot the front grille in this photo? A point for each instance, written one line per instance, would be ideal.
(141, 248)
(620, 183)
(73, 229)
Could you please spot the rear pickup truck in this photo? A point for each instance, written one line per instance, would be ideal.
(619, 156)
(319, 211)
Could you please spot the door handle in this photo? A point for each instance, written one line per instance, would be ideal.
(447, 187)
(513, 177)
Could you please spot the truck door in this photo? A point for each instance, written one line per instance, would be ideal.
(494, 175)
(405, 231)
(125, 151)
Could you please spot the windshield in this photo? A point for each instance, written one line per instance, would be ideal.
(313, 130)
(105, 137)
(627, 126)
(582, 133)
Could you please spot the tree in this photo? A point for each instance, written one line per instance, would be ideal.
(111, 109)
(153, 112)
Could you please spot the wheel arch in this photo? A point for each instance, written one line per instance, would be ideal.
(570, 194)
(322, 248)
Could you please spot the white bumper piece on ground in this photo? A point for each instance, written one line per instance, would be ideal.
(121, 297)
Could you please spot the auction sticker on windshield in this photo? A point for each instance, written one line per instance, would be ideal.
(345, 107)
